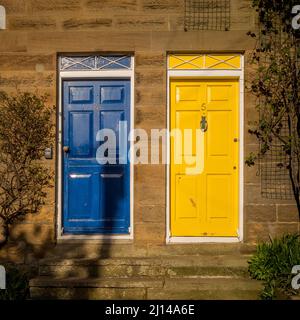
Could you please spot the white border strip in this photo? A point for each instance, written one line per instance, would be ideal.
(84, 75)
(209, 74)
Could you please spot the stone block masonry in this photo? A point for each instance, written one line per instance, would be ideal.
(39, 30)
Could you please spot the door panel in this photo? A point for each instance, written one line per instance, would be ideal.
(81, 129)
(81, 94)
(81, 206)
(206, 203)
(96, 197)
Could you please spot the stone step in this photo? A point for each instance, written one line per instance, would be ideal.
(144, 288)
(93, 250)
(172, 266)
(213, 288)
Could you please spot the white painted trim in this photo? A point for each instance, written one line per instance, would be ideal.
(241, 145)
(209, 74)
(96, 74)
(204, 73)
(101, 74)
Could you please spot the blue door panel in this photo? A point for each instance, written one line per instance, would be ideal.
(96, 197)
(112, 95)
(110, 120)
(81, 129)
(113, 201)
(81, 94)
(81, 206)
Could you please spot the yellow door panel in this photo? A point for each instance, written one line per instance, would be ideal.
(219, 136)
(204, 203)
(186, 197)
(187, 213)
(220, 210)
(188, 122)
(190, 94)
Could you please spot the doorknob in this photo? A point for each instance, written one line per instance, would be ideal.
(203, 124)
(66, 149)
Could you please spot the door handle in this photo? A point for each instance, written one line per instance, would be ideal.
(66, 149)
(203, 124)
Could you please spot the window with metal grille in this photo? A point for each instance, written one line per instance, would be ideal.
(207, 15)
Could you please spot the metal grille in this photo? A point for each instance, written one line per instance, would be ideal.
(275, 180)
(207, 15)
(275, 177)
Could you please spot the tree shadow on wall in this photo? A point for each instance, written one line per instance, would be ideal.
(77, 268)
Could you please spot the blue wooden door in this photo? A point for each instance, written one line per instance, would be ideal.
(96, 196)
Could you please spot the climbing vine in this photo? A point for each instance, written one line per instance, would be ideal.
(276, 85)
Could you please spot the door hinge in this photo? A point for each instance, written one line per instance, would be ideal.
(129, 229)
(62, 230)
(238, 233)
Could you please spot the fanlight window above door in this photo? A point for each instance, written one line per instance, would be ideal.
(95, 63)
(204, 62)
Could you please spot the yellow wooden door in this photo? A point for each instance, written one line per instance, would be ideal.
(204, 203)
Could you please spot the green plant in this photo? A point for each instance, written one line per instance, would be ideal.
(17, 285)
(272, 263)
(26, 129)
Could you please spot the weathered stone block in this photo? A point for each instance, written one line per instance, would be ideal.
(31, 23)
(242, 15)
(141, 23)
(253, 196)
(155, 96)
(152, 174)
(150, 78)
(287, 213)
(230, 40)
(55, 5)
(150, 117)
(251, 174)
(150, 59)
(112, 6)
(90, 41)
(176, 22)
(26, 62)
(260, 213)
(163, 5)
(28, 79)
(150, 232)
(14, 6)
(146, 194)
(88, 293)
(32, 234)
(251, 112)
(150, 213)
(256, 232)
(280, 229)
(87, 23)
(45, 216)
(16, 42)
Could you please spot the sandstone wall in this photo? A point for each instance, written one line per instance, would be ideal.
(39, 30)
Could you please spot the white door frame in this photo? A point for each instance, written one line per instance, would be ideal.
(237, 74)
(92, 75)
